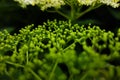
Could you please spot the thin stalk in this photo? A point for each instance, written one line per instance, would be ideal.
(33, 73)
(72, 13)
(27, 59)
(84, 12)
(67, 3)
(79, 9)
(61, 13)
(83, 77)
(68, 47)
(87, 10)
(15, 64)
(28, 69)
(71, 77)
(53, 70)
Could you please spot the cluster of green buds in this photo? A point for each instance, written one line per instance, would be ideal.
(58, 50)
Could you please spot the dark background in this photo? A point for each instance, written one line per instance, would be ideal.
(13, 17)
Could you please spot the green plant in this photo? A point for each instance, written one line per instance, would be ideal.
(58, 50)
(70, 9)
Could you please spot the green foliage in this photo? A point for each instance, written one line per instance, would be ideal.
(58, 50)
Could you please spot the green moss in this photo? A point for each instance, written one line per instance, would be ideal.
(58, 50)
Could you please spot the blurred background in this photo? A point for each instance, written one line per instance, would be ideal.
(13, 17)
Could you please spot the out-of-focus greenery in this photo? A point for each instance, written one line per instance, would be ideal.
(58, 50)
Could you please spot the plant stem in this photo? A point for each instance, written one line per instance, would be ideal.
(28, 69)
(51, 75)
(67, 2)
(71, 77)
(27, 57)
(83, 77)
(33, 73)
(74, 13)
(61, 13)
(68, 47)
(15, 64)
(72, 18)
(86, 11)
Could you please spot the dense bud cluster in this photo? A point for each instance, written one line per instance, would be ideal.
(60, 51)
